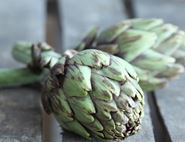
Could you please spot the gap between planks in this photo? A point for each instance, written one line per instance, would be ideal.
(129, 8)
(161, 133)
(51, 130)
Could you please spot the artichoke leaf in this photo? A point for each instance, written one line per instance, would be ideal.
(77, 81)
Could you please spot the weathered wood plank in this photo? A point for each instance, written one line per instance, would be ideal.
(20, 116)
(78, 18)
(171, 102)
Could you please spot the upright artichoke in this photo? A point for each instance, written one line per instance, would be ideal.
(94, 94)
(150, 45)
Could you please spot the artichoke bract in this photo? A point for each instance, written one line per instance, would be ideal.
(92, 93)
(156, 49)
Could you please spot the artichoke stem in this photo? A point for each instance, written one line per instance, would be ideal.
(19, 77)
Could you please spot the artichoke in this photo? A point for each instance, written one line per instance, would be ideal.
(92, 93)
(156, 49)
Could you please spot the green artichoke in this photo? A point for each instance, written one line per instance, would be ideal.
(95, 94)
(154, 48)
(90, 93)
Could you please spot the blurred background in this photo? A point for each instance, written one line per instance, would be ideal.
(63, 23)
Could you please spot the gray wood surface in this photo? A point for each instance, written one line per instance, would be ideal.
(171, 103)
(78, 17)
(20, 116)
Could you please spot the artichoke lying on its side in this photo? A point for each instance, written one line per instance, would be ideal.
(150, 45)
(93, 93)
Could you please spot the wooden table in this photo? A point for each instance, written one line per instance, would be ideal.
(63, 23)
